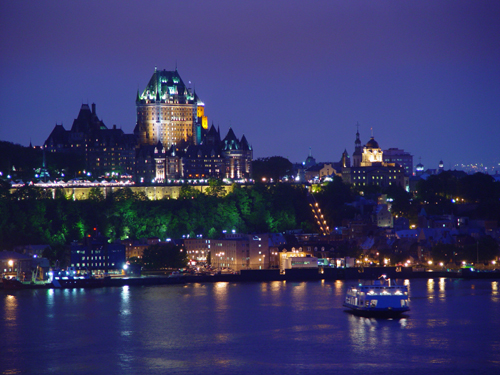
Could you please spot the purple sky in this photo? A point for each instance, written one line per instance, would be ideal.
(290, 75)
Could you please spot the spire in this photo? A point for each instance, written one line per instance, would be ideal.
(357, 142)
(158, 86)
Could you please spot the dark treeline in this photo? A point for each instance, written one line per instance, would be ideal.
(30, 217)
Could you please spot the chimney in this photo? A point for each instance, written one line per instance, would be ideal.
(93, 108)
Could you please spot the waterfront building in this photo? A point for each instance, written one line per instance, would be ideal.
(15, 265)
(135, 248)
(237, 251)
(96, 255)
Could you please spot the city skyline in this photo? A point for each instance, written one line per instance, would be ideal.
(289, 76)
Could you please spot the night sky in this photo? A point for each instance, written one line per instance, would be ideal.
(290, 75)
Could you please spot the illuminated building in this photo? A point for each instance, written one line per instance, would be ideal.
(168, 112)
(104, 150)
(238, 156)
(370, 169)
(229, 158)
(16, 265)
(97, 255)
(235, 251)
(171, 139)
(400, 157)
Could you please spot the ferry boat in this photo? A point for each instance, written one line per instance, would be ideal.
(379, 298)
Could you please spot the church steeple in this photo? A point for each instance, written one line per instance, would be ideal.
(357, 142)
(358, 150)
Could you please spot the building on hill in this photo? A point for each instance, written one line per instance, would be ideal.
(169, 112)
(171, 139)
(104, 150)
(238, 155)
(168, 163)
(399, 157)
(229, 158)
(370, 169)
(318, 172)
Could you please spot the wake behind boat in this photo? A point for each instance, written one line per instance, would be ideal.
(378, 299)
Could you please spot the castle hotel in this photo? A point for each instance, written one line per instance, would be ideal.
(171, 139)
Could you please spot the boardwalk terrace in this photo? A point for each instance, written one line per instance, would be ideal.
(81, 190)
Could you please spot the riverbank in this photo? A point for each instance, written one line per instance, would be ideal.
(272, 275)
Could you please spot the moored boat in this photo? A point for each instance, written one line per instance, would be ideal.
(379, 298)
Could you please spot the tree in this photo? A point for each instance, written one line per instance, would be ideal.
(164, 255)
(212, 233)
(274, 167)
(96, 194)
(188, 192)
(215, 188)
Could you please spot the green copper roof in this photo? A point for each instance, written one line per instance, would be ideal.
(167, 86)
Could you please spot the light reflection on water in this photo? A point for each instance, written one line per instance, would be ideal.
(225, 328)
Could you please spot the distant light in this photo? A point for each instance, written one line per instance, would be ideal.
(125, 266)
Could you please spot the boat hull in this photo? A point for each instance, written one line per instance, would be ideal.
(78, 283)
(377, 313)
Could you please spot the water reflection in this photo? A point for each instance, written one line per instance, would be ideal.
(227, 328)
(338, 288)
(10, 310)
(125, 313)
(220, 292)
(369, 335)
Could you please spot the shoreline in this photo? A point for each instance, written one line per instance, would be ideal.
(327, 274)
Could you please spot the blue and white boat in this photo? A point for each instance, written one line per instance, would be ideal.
(378, 298)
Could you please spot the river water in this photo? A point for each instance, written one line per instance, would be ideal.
(249, 328)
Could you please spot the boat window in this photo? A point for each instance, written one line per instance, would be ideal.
(373, 303)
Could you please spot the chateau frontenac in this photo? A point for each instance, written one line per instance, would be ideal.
(171, 139)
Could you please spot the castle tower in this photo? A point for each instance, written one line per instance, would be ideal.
(168, 112)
